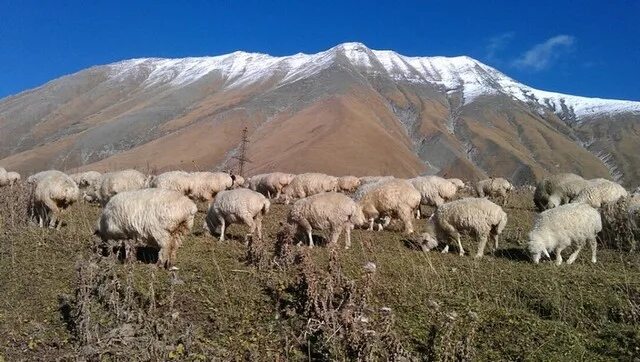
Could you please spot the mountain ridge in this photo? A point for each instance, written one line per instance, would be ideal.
(107, 111)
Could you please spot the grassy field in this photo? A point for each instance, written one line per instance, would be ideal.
(59, 299)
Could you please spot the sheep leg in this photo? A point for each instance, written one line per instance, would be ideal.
(405, 216)
(174, 251)
(164, 255)
(347, 240)
(371, 220)
(258, 227)
(310, 235)
(594, 246)
(574, 255)
(495, 238)
(335, 234)
(418, 213)
(222, 228)
(559, 255)
(460, 249)
(481, 246)
(250, 223)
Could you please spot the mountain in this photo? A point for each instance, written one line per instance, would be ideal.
(347, 110)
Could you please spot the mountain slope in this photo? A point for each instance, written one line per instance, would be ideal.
(346, 110)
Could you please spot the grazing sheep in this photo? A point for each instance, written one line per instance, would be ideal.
(560, 227)
(239, 181)
(207, 184)
(330, 210)
(11, 179)
(88, 183)
(114, 183)
(308, 184)
(156, 217)
(494, 187)
(434, 190)
(558, 190)
(237, 206)
(479, 216)
(174, 180)
(599, 192)
(366, 187)
(348, 183)
(457, 182)
(53, 194)
(270, 184)
(393, 198)
(35, 178)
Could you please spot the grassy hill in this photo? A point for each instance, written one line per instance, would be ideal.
(60, 299)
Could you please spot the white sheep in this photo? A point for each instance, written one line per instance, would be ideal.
(326, 211)
(116, 182)
(557, 189)
(434, 190)
(348, 183)
(207, 184)
(599, 192)
(494, 187)
(308, 184)
(237, 206)
(393, 198)
(12, 178)
(478, 216)
(155, 217)
(560, 227)
(270, 184)
(457, 182)
(88, 182)
(35, 178)
(174, 180)
(52, 195)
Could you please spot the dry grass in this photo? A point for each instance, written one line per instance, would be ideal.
(273, 300)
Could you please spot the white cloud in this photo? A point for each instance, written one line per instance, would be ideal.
(498, 43)
(542, 55)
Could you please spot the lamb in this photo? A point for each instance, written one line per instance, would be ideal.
(308, 184)
(494, 187)
(155, 217)
(394, 198)
(348, 183)
(174, 180)
(330, 210)
(237, 206)
(477, 215)
(207, 184)
(560, 227)
(270, 184)
(115, 182)
(599, 192)
(52, 195)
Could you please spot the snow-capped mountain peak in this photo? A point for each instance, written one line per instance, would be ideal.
(460, 73)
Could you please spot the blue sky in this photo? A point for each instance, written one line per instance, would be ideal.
(589, 48)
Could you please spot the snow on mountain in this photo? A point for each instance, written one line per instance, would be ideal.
(461, 73)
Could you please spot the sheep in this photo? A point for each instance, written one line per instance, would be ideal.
(308, 184)
(12, 178)
(52, 195)
(599, 192)
(155, 217)
(174, 180)
(115, 182)
(207, 184)
(88, 182)
(239, 181)
(330, 210)
(495, 187)
(557, 190)
(393, 198)
(366, 187)
(560, 227)
(270, 184)
(237, 206)
(477, 215)
(35, 178)
(348, 183)
(457, 182)
(434, 190)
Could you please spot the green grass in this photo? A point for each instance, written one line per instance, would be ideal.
(501, 307)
